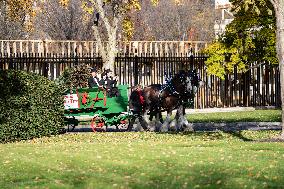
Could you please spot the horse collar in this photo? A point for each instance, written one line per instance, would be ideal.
(141, 97)
(170, 86)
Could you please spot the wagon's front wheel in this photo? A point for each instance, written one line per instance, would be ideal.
(122, 125)
(97, 123)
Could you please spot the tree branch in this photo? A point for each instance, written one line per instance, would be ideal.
(99, 7)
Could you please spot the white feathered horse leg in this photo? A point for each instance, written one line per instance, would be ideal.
(166, 124)
(182, 121)
(157, 123)
(178, 118)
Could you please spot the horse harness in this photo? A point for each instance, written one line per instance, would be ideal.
(172, 90)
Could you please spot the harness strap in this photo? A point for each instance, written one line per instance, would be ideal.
(141, 97)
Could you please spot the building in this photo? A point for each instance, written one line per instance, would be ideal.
(223, 8)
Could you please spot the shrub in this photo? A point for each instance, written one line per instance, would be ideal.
(30, 106)
(75, 77)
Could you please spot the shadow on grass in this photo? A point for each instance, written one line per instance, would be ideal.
(212, 135)
(274, 139)
(238, 135)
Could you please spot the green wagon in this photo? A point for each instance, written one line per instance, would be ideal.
(94, 107)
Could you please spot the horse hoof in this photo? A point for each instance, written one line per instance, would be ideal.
(188, 128)
(164, 128)
(173, 125)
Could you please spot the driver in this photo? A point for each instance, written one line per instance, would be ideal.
(94, 80)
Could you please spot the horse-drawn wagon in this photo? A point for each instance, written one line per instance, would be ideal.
(95, 107)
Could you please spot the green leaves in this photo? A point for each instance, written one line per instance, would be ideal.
(249, 39)
(30, 106)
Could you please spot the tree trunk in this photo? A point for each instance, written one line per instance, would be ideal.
(279, 7)
(110, 53)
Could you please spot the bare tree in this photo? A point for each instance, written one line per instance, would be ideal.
(11, 29)
(63, 23)
(109, 14)
(189, 20)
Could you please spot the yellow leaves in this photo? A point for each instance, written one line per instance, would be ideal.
(29, 27)
(155, 2)
(18, 9)
(87, 8)
(6, 162)
(64, 3)
(86, 18)
(133, 4)
(128, 28)
(178, 2)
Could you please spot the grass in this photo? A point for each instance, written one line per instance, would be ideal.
(245, 116)
(144, 160)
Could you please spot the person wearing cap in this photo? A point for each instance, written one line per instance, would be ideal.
(94, 80)
(110, 83)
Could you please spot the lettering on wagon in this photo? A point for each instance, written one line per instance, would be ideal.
(71, 101)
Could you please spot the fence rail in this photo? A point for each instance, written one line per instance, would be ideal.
(259, 86)
(91, 47)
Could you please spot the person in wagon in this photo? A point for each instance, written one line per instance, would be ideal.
(110, 83)
(94, 80)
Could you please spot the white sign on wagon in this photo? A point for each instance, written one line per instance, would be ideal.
(71, 101)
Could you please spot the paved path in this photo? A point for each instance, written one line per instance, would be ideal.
(230, 109)
(255, 126)
(237, 126)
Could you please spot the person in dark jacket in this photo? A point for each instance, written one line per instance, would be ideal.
(110, 83)
(94, 80)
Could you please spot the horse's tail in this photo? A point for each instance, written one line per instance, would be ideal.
(136, 101)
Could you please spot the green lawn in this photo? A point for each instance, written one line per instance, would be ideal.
(245, 116)
(144, 160)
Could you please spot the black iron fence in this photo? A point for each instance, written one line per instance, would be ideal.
(48, 65)
(259, 86)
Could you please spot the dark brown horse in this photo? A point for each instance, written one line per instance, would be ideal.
(156, 98)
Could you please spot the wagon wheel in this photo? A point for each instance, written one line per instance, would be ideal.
(71, 127)
(131, 122)
(97, 123)
(71, 123)
(122, 125)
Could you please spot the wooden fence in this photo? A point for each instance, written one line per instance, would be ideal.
(260, 86)
(91, 47)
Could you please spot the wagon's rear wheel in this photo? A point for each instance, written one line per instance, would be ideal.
(97, 123)
(70, 123)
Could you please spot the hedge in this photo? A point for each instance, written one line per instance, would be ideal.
(30, 106)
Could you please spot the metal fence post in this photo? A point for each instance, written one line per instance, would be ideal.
(11, 63)
(136, 70)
